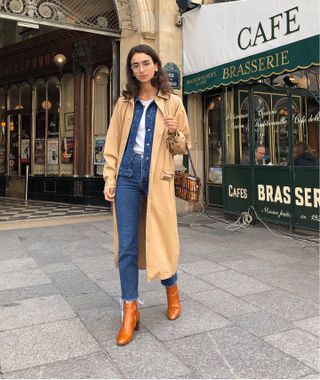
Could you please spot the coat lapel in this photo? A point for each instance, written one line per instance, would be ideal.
(158, 133)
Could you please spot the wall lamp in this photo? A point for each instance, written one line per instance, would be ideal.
(290, 81)
(60, 60)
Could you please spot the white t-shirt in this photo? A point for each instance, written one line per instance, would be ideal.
(141, 133)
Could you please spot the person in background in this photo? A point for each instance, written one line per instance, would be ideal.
(259, 155)
(303, 156)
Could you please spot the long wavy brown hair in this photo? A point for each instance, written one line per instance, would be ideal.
(159, 81)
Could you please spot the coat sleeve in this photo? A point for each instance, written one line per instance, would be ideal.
(178, 142)
(111, 149)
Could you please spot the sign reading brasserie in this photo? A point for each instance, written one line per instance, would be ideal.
(253, 41)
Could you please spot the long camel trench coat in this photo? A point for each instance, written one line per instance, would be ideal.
(158, 230)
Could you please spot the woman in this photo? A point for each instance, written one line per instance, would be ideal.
(148, 126)
(303, 156)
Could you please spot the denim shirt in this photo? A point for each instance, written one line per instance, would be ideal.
(125, 166)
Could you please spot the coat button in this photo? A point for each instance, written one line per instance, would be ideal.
(148, 129)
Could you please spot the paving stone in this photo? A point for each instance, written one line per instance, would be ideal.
(235, 283)
(97, 366)
(17, 294)
(274, 257)
(261, 323)
(222, 302)
(253, 266)
(74, 282)
(145, 358)
(34, 311)
(46, 256)
(283, 304)
(313, 376)
(94, 263)
(21, 264)
(90, 301)
(195, 318)
(231, 353)
(190, 284)
(297, 282)
(58, 267)
(42, 344)
(299, 344)
(188, 257)
(307, 264)
(104, 275)
(200, 267)
(21, 279)
(312, 325)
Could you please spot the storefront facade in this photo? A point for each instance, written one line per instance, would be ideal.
(58, 89)
(250, 97)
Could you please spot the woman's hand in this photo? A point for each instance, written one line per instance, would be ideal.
(171, 123)
(109, 194)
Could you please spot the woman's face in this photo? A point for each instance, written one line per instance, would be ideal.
(143, 67)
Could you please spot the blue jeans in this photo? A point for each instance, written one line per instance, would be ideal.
(128, 199)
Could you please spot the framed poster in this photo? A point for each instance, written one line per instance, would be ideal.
(53, 151)
(98, 150)
(39, 151)
(67, 150)
(69, 121)
(25, 151)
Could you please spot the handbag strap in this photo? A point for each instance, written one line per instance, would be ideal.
(189, 155)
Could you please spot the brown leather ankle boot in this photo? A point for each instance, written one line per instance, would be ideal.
(174, 307)
(130, 322)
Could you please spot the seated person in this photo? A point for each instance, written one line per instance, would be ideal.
(303, 156)
(260, 156)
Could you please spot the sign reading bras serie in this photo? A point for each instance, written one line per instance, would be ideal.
(274, 195)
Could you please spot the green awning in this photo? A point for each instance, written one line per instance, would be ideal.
(287, 58)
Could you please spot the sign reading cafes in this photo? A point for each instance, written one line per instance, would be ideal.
(253, 41)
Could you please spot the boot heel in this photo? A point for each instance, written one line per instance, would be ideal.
(137, 326)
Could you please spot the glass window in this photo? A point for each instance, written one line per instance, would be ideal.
(67, 125)
(237, 126)
(244, 127)
(263, 121)
(100, 116)
(13, 98)
(25, 95)
(40, 128)
(214, 135)
(3, 131)
(25, 133)
(306, 136)
(52, 107)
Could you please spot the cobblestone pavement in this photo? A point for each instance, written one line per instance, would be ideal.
(12, 209)
(249, 306)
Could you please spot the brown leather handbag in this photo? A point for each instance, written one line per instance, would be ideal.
(187, 186)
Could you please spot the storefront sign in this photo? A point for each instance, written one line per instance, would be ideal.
(253, 41)
(53, 151)
(173, 73)
(274, 195)
(27, 64)
(39, 151)
(98, 150)
(67, 150)
(25, 151)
